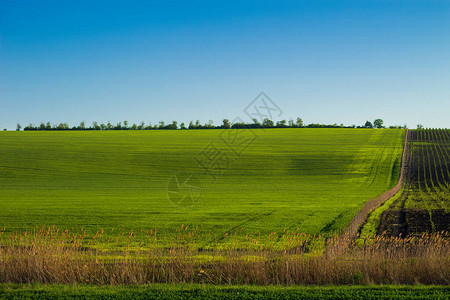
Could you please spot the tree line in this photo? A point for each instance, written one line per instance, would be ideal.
(226, 124)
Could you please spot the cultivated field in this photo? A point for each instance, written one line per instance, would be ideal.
(120, 211)
(423, 206)
(273, 180)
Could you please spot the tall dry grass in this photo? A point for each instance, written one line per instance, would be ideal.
(48, 255)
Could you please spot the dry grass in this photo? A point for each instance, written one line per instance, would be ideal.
(48, 255)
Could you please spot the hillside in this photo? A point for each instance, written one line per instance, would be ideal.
(261, 180)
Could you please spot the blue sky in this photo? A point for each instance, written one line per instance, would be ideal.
(325, 61)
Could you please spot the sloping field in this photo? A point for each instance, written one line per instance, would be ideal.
(261, 181)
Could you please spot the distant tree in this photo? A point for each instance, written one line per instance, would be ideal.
(29, 127)
(96, 126)
(240, 125)
(281, 124)
(4, 129)
(378, 123)
(419, 126)
(267, 123)
(255, 124)
(314, 125)
(226, 124)
(174, 125)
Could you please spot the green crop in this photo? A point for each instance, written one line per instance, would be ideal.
(193, 291)
(310, 179)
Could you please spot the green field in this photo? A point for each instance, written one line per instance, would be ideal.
(14, 291)
(310, 179)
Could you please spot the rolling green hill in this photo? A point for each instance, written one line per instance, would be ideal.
(260, 180)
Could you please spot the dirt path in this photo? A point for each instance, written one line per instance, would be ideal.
(360, 217)
(397, 222)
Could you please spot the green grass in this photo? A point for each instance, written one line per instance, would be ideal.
(310, 179)
(14, 291)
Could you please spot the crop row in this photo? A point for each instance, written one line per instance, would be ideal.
(429, 169)
(423, 206)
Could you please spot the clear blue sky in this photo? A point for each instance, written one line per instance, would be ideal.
(325, 61)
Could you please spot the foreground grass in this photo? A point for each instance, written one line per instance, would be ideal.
(192, 291)
(52, 257)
